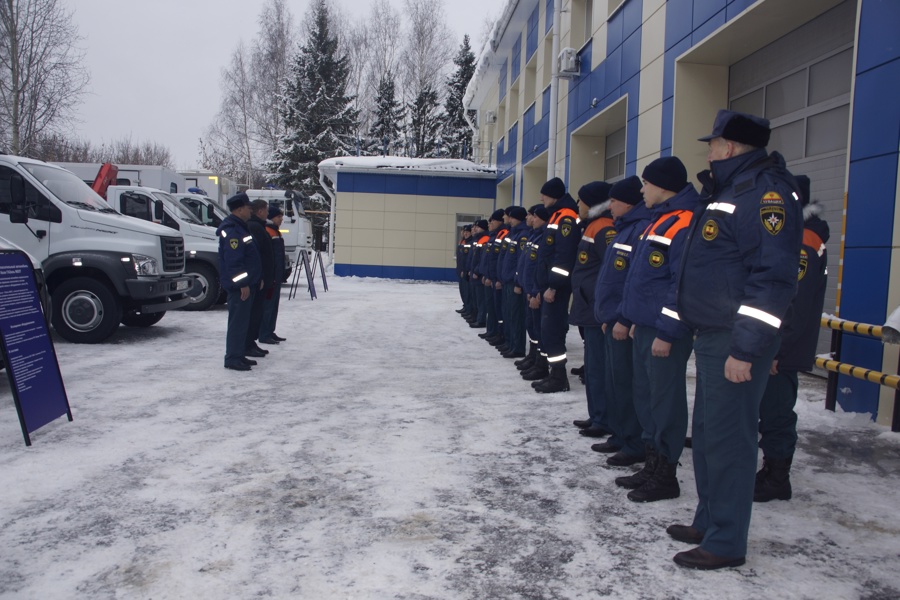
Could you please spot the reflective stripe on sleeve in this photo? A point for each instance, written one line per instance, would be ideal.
(224, 234)
(587, 239)
(723, 207)
(553, 226)
(624, 247)
(237, 278)
(248, 239)
(670, 313)
(660, 240)
(562, 272)
(765, 317)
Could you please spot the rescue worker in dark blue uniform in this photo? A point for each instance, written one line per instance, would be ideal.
(241, 271)
(799, 338)
(497, 226)
(556, 259)
(476, 285)
(462, 252)
(272, 300)
(513, 299)
(598, 232)
(631, 218)
(259, 210)
(737, 278)
(532, 367)
(661, 343)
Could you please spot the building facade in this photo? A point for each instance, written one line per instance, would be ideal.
(640, 79)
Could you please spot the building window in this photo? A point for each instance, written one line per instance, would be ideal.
(614, 166)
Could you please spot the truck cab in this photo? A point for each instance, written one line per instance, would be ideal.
(296, 228)
(203, 207)
(101, 268)
(201, 248)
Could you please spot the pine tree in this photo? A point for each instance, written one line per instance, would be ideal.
(425, 124)
(318, 115)
(385, 133)
(456, 132)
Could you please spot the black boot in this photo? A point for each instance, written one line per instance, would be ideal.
(636, 480)
(539, 370)
(527, 362)
(773, 482)
(662, 485)
(557, 382)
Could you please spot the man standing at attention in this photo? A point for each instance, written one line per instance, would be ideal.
(737, 277)
(241, 273)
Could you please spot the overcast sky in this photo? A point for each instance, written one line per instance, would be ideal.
(155, 66)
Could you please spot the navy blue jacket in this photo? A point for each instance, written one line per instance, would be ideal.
(239, 261)
(475, 253)
(493, 252)
(530, 266)
(277, 251)
(739, 269)
(598, 232)
(801, 327)
(649, 296)
(462, 254)
(515, 246)
(257, 228)
(616, 262)
(556, 256)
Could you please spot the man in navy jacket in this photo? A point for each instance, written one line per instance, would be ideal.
(661, 343)
(241, 270)
(737, 278)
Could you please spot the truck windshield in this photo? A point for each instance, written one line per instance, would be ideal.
(67, 187)
(177, 208)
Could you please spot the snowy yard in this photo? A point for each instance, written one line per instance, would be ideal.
(384, 451)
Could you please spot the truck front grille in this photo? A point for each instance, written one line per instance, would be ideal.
(173, 254)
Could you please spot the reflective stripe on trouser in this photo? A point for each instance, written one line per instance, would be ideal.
(498, 310)
(514, 309)
(555, 326)
(595, 376)
(665, 402)
(777, 419)
(238, 318)
(725, 423)
(270, 314)
(623, 419)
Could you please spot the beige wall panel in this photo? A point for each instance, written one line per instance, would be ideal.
(403, 204)
(435, 205)
(434, 223)
(368, 219)
(343, 236)
(598, 47)
(398, 257)
(362, 255)
(399, 220)
(651, 86)
(700, 91)
(399, 239)
(430, 241)
(344, 201)
(651, 7)
(373, 238)
(649, 134)
(432, 258)
(653, 41)
(343, 218)
(368, 202)
(342, 253)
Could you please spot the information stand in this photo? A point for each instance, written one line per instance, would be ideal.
(311, 285)
(28, 353)
(319, 263)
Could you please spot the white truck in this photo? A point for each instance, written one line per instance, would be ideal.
(101, 268)
(152, 176)
(201, 248)
(296, 227)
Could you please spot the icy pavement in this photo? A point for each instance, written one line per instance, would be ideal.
(384, 451)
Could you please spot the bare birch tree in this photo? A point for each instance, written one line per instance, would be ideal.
(41, 74)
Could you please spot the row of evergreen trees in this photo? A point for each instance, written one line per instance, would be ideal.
(320, 120)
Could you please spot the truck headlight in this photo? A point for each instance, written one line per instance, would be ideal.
(145, 265)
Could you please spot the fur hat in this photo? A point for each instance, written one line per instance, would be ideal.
(740, 127)
(238, 200)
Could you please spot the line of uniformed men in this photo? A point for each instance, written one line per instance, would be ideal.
(656, 271)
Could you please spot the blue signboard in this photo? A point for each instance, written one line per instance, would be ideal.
(28, 352)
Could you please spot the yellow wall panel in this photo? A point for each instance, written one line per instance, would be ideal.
(368, 237)
(368, 219)
(373, 202)
(398, 257)
(435, 223)
(361, 255)
(399, 239)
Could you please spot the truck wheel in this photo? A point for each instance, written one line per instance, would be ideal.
(85, 311)
(209, 284)
(135, 319)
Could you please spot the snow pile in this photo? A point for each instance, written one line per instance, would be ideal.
(439, 166)
(384, 451)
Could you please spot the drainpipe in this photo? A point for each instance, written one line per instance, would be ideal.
(475, 136)
(330, 193)
(554, 92)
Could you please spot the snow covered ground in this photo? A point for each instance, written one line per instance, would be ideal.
(384, 451)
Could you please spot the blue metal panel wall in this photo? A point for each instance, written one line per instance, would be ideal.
(516, 59)
(549, 16)
(502, 82)
(413, 184)
(389, 272)
(531, 33)
(871, 196)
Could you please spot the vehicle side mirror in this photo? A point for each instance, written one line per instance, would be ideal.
(158, 212)
(18, 211)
